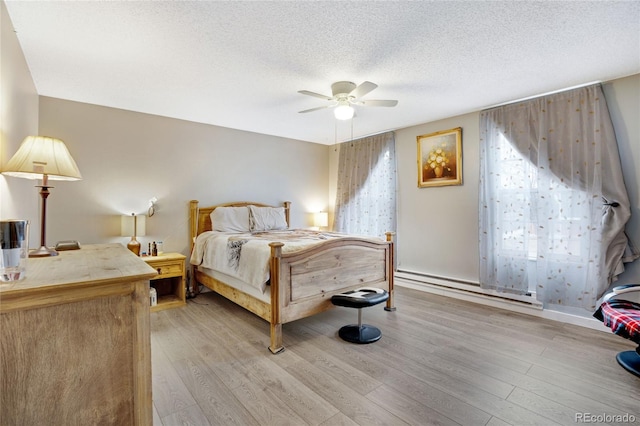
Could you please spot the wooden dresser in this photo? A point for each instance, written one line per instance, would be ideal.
(75, 340)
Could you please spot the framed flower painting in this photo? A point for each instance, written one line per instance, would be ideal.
(440, 158)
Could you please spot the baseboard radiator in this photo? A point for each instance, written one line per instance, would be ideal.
(471, 291)
(466, 290)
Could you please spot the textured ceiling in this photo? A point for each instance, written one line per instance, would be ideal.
(240, 64)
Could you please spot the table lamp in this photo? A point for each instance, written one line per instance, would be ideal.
(47, 158)
(133, 226)
(321, 220)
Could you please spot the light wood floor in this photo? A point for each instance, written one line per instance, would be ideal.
(440, 361)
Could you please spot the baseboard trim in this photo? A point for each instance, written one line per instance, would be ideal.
(473, 293)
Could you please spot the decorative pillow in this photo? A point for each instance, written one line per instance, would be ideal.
(230, 219)
(266, 218)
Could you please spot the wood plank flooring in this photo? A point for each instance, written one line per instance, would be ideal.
(440, 361)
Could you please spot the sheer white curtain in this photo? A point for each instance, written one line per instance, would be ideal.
(553, 204)
(366, 186)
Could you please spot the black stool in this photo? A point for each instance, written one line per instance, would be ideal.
(360, 298)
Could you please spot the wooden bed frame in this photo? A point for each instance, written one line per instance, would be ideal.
(302, 282)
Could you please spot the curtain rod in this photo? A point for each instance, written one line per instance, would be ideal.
(542, 94)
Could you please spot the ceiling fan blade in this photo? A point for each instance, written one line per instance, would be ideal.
(314, 94)
(314, 109)
(379, 103)
(363, 89)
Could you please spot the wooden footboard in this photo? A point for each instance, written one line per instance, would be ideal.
(302, 282)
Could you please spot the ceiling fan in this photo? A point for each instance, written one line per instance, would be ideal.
(345, 94)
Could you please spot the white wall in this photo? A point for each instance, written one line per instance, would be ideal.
(18, 118)
(126, 158)
(438, 226)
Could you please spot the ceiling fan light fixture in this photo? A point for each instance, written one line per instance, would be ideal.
(345, 94)
(344, 111)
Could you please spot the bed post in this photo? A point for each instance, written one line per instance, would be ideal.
(287, 208)
(193, 233)
(390, 271)
(275, 324)
(193, 223)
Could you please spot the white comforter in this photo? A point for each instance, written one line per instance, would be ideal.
(246, 256)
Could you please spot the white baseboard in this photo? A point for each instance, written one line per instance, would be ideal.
(473, 293)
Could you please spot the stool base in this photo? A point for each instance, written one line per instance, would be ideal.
(630, 361)
(360, 334)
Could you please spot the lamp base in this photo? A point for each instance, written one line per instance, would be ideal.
(134, 246)
(43, 251)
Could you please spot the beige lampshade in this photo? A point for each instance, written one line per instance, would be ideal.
(42, 155)
(133, 226)
(321, 219)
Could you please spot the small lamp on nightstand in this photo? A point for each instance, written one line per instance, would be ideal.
(321, 220)
(134, 226)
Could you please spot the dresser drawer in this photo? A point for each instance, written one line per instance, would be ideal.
(167, 269)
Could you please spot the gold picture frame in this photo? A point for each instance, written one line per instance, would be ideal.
(440, 158)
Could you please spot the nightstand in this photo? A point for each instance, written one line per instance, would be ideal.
(170, 282)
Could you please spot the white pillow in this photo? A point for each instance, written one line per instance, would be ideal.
(230, 219)
(266, 218)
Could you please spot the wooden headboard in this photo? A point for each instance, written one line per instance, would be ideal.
(200, 217)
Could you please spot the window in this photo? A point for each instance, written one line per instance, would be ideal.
(547, 221)
(366, 188)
